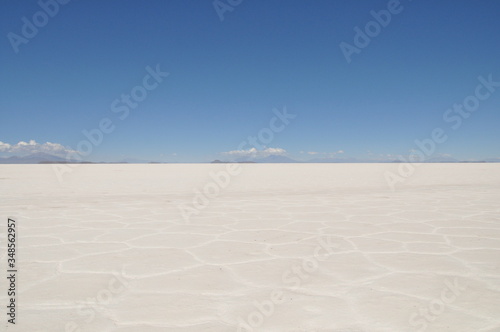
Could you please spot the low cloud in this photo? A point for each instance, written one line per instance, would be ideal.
(254, 153)
(323, 154)
(25, 148)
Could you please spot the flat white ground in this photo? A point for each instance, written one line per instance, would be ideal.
(281, 247)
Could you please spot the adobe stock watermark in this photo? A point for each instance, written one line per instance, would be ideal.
(30, 27)
(363, 37)
(223, 6)
(122, 107)
(220, 180)
(436, 307)
(454, 116)
(292, 279)
(116, 285)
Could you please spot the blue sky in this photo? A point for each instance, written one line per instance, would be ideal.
(225, 78)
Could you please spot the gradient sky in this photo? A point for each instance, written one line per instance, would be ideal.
(226, 77)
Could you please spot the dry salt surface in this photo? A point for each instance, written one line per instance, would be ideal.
(282, 247)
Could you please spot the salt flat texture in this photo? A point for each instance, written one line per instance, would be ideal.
(282, 247)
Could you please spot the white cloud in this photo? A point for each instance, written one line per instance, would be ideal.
(254, 153)
(275, 151)
(325, 154)
(23, 148)
(4, 146)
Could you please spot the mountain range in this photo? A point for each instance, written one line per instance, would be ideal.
(35, 158)
(45, 158)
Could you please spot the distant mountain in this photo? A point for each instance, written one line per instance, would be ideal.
(134, 161)
(276, 159)
(45, 158)
(334, 160)
(442, 159)
(34, 158)
(217, 161)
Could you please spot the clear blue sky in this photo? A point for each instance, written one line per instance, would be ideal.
(226, 77)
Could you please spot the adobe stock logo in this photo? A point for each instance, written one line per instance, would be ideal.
(222, 179)
(122, 106)
(222, 6)
(429, 312)
(455, 115)
(292, 279)
(372, 29)
(30, 28)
